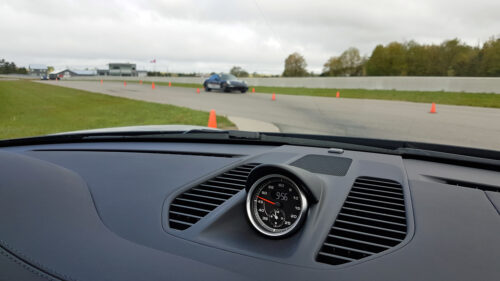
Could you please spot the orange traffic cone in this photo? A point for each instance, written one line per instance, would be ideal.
(170, 84)
(153, 85)
(433, 108)
(197, 90)
(338, 94)
(101, 81)
(140, 82)
(125, 83)
(274, 97)
(212, 119)
(253, 90)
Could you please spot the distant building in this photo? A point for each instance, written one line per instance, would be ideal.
(38, 69)
(73, 72)
(103, 72)
(122, 69)
(142, 73)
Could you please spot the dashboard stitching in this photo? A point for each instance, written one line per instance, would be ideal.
(23, 265)
(29, 260)
(493, 205)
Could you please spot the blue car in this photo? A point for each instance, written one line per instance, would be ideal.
(225, 82)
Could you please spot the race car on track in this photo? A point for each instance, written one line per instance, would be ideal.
(225, 82)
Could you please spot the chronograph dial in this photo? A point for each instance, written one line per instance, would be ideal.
(276, 205)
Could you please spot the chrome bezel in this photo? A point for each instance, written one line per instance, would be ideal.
(291, 228)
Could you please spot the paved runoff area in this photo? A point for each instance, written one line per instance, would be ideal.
(458, 125)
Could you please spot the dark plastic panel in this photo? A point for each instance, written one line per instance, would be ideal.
(48, 217)
(13, 268)
(328, 165)
(98, 216)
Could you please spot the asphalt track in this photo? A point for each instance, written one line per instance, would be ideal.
(458, 125)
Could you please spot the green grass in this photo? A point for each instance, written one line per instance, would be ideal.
(451, 98)
(30, 109)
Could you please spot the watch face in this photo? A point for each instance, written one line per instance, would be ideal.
(276, 205)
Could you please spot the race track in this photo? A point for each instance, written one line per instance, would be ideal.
(459, 125)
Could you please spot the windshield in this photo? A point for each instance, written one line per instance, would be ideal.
(228, 77)
(422, 71)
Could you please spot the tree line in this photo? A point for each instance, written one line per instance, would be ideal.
(450, 58)
(11, 68)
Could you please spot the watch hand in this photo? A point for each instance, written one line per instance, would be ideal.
(268, 201)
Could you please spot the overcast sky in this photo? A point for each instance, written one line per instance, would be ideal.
(213, 35)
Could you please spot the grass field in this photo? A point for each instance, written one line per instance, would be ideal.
(30, 108)
(451, 98)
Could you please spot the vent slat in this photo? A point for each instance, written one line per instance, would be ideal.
(377, 191)
(372, 227)
(236, 173)
(368, 207)
(377, 201)
(371, 220)
(189, 207)
(185, 214)
(194, 204)
(366, 233)
(238, 186)
(335, 256)
(377, 197)
(233, 175)
(244, 168)
(375, 220)
(379, 182)
(235, 190)
(348, 248)
(181, 222)
(203, 196)
(197, 202)
(373, 213)
(359, 241)
(242, 182)
(213, 192)
(377, 186)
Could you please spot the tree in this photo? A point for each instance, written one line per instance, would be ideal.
(349, 63)
(376, 63)
(238, 71)
(417, 59)
(50, 69)
(333, 67)
(490, 58)
(455, 58)
(396, 56)
(295, 66)
(7, 67)
(389, 60)
(22, 70)
(351, 60)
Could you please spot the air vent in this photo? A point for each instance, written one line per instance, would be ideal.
(372, 220)
(195, 203)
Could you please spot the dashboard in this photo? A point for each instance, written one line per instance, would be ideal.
(208, 211)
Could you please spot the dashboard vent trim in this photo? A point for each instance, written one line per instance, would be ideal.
(195, 203)
(372, 220)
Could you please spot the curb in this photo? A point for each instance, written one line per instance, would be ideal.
(245, 124)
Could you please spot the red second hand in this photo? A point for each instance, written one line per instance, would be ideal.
(266, 200)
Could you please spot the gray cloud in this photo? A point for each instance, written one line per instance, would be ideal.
(188, 35)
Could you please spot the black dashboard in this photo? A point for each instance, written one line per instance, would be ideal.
(207, 211)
